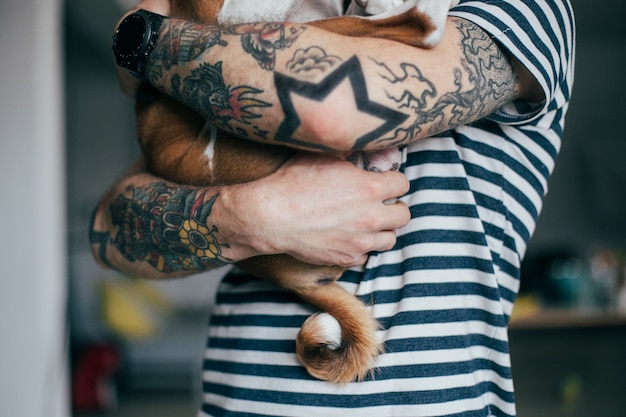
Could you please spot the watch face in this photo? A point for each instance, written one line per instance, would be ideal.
(134, 40)
(131, 35)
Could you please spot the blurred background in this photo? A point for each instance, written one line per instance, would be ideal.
(67, 132)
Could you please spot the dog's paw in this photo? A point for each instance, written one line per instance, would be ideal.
(437, 11)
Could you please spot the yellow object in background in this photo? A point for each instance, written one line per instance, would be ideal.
(526, 305)
(133, 308)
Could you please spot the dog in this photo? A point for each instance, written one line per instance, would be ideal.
(340, 343)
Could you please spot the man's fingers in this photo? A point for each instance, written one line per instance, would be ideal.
(386, 240)
(397, 215)
(396, 184)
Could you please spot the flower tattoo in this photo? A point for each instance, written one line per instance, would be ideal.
(167, 228)
(199, 239)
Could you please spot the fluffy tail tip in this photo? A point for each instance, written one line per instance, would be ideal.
(328, 330)
(329, 356)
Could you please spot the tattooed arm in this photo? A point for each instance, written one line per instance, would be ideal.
(304, 87)
(150, 228)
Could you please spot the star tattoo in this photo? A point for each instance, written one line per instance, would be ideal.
(349, 71)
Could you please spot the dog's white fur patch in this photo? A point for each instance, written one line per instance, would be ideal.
(248, 11)
(378, 6)
(331, 330)
(251, 11)
(209, 130)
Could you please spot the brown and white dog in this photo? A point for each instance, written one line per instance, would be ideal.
(340, 344)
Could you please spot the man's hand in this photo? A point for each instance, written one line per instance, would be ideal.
(318, 209)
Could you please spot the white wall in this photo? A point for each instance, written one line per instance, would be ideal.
(33, 376)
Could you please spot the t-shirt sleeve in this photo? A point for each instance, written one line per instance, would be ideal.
(540, 35)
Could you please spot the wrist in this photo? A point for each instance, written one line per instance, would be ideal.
(242, 219)
(135, 39)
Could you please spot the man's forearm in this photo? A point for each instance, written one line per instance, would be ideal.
(150, 228)
(317, 208)
(304, 87)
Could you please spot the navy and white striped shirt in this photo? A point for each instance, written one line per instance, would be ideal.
(445, 293)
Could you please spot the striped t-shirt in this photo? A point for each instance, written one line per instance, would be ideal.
(445, 293)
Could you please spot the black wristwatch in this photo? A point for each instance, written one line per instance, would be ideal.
(135, 39)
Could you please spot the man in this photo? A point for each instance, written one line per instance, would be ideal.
(479, 120)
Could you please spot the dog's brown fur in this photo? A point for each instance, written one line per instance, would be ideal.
(169, 134)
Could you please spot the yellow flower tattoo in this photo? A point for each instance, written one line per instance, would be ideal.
(199, 239)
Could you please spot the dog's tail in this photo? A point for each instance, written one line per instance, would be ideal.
(340, 344)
